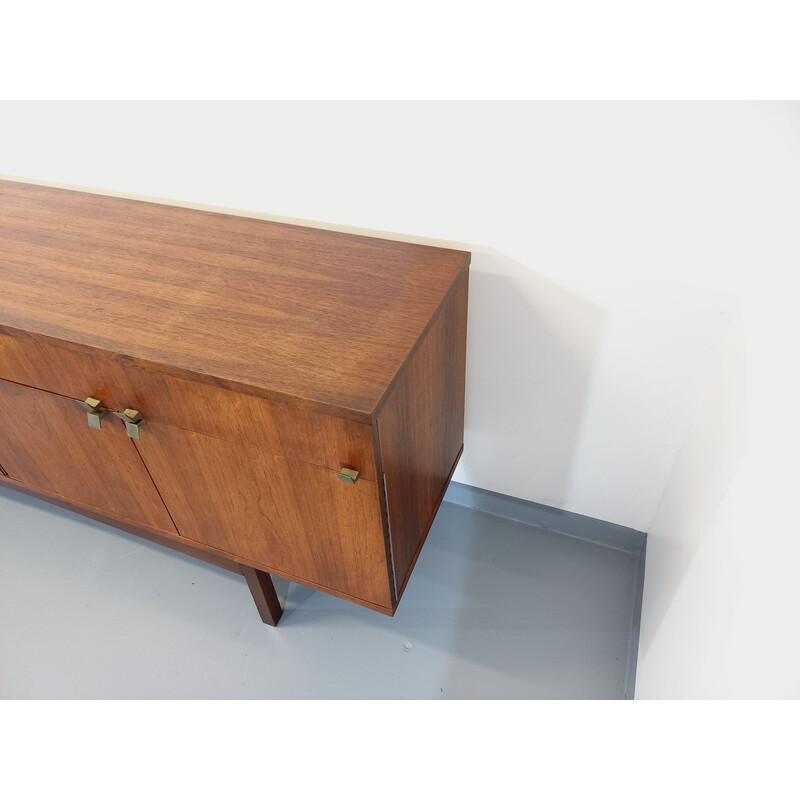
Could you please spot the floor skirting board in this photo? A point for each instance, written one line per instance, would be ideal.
(633, 647)
(567, 523)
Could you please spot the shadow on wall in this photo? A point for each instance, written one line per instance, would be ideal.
(530, 350)
(703, 471)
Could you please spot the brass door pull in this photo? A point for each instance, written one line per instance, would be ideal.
(133, 421)
(347, 475)
(94, 411)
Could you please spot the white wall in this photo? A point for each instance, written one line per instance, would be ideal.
(626, 257)
(722, 595)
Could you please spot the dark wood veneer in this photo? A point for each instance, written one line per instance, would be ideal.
(263, 591)
(421, 432)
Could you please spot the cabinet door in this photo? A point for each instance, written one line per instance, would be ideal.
(289, 517)
(46, 443)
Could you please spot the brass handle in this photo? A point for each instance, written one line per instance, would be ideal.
(94, 411)
(347, 475)
(133, 421)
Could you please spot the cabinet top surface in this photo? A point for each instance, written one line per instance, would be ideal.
(265, 307)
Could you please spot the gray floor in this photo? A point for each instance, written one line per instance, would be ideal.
(495, 609)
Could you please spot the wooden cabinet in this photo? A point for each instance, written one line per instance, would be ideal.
(295, 396)
(296, 518)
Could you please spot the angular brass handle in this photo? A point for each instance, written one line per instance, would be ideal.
(94, 411)
(347, 475)
(133, 421)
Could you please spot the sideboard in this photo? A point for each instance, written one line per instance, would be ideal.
(271, 398)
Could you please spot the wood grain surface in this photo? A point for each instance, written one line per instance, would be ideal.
(285, 517)
(46, 443)
(262, 356)
(281, 311)
(293, 431)
(421, 430)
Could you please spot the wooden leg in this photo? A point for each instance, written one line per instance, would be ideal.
(263, 592)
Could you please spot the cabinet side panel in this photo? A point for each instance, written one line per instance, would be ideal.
(421, 430)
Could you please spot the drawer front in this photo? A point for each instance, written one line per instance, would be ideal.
(283, 429)
(291, 518)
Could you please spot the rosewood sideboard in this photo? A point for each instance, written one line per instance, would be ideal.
(271, 398)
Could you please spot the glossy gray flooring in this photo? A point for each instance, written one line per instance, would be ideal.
(495, 609)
